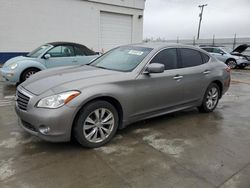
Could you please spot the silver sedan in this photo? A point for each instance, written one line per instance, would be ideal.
(125, 85)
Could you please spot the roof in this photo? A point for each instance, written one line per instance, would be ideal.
(64, 43)
(158, 45)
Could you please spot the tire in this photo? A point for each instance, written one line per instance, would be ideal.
(27, 73)
(91, 131)
(210, 99)
(231, 63)
(241, 67)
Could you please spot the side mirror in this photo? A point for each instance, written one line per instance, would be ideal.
(47, 56)
(222, 53)
(155, 68)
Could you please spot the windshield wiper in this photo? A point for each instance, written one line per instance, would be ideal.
(102, 67)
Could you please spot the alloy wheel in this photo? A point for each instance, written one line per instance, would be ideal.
(232, 64)
(28, 74)
(212, 98)
(98, 125)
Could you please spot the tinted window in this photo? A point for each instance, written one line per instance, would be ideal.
(208, 49)
(61, 51)
(79, 51)
(205, 57)
(168, 58)
(190, 57)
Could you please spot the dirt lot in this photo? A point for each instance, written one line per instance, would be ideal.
(184, 149)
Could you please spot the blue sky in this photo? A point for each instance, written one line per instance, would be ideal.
(171, 18)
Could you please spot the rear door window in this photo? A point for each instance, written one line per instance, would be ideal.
(190, 57)
(168, 58)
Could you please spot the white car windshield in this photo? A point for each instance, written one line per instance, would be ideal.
(40, 50)
(123, 59)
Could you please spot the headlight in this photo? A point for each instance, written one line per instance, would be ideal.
(13, 66)
(56, 101)
(239, 57)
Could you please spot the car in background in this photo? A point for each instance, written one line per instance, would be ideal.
(55, 54)
(127, 84)
(242, 51)
(225, 54)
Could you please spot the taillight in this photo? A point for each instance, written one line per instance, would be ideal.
(228, 69)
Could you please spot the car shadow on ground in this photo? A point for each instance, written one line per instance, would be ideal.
(189, 118)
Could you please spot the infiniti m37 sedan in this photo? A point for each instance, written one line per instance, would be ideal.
(127, 84)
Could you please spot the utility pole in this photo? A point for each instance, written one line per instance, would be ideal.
(200, 15)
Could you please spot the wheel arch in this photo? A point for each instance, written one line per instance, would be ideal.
(109, 99)
(27, 68)
(230, 58)
(220, 85)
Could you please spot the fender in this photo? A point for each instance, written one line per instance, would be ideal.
(25, 64)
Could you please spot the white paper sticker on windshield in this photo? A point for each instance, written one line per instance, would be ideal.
(135, 52)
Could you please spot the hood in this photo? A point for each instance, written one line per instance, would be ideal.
(15, 60)
(52, 78)
(241, 48)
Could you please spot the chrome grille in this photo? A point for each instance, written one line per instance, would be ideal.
(22, 100)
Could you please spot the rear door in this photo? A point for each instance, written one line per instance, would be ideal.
(159, 91)
(195, 71)
(62, 55)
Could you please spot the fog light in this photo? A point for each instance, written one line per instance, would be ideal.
(44, 129)
(9, 74)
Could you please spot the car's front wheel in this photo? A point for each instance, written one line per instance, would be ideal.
(27, 73)
(211, 98)
(96, 124)
(231, 63)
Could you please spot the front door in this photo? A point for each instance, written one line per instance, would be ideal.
(160, 91)
(62, 55)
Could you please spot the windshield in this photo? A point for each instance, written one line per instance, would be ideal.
(227, 49)
(123, 59)
(37, 52)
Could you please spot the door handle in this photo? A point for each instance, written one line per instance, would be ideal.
(74, 61)
(177, 77)
(206, 72)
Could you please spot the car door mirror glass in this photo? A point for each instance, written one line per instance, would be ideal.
(155, 68)
(47, 56)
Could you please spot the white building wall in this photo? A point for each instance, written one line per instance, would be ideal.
(26, 24)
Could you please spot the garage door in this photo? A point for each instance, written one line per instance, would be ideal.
(116, 29)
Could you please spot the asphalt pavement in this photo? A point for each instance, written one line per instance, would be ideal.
(183, 149)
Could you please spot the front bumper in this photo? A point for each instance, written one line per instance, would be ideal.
(9, 76)
(59, 121)
(243, 62)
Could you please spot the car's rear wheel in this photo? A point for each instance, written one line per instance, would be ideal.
(210, 99)
(27, 73)
(231, 63)
(96, 124)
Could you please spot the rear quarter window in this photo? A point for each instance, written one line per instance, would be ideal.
(205, 57)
